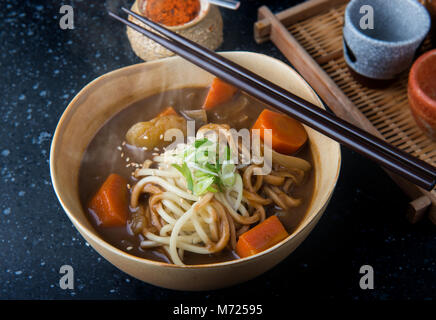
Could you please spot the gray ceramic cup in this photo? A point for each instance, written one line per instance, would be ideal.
(386, 47)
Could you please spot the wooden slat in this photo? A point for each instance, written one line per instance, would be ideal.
(418, 208)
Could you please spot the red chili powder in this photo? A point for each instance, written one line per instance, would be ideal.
(171, 12)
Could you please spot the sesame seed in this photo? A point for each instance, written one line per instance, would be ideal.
(124, 143)
(127, 159)
(161, 136)
(119, 148)
(144, 148)
(122, 154)
(145, 137)
(156, 149)
(129, 248)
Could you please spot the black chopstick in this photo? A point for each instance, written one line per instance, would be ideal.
(344, 125)
(417, 173)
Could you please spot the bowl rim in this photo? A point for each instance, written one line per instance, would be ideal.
(414, 84)
(103, 243)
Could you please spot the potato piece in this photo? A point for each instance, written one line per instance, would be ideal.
(213, 127)
(150, 134)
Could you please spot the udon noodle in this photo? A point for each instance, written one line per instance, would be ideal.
(178, 221)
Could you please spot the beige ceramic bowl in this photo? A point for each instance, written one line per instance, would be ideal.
(112, 92)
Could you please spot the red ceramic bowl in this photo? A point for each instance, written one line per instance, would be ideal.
(422, 93)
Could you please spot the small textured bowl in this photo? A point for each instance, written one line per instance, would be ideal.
(206, 29)
(114, 91)
(422, 93)
(387, 49)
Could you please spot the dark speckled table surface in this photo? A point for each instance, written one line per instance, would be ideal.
(43, 67)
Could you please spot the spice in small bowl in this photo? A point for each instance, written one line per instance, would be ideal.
(196, 20)
(422, 93)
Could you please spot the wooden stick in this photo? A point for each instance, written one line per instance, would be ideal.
(326, 58)
(418, 208)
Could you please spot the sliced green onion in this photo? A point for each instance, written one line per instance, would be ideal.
(200, 142)
(184, 170)
(197, 167)
(227, 151)
(201, 156)
(212, 168)
(216, 177)
(227, 174)
(203, 185)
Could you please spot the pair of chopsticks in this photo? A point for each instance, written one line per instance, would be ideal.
(397, 161)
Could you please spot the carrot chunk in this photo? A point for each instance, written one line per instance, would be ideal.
(261, 237)
(219, 92)
(110, 203)
(167, 111)
(288, 135)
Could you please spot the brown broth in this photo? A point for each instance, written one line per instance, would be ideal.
(103, 157)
